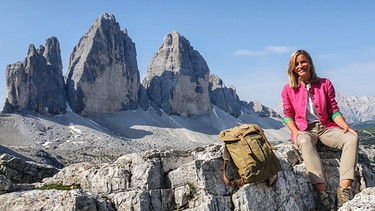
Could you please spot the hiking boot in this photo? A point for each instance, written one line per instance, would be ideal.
(324, 202)
(342, 195)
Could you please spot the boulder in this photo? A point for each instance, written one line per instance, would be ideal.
(54, 200)
(5, 184)
(20, 171)
(364, 201)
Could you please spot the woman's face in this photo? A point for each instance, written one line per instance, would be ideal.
(303, 67)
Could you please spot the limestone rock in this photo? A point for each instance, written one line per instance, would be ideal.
(262, 110)
(192, 180)
(103, 75)
(223, 97)
(54, 200)
(37, 84)
(363, 201)
(21, 171)
(5, 184)
(177, 78)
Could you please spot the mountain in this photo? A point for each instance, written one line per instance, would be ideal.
(103, 75)
(356, 109)
(179, 104)
(37, 84)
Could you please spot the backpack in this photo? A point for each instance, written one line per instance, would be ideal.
(251, 153)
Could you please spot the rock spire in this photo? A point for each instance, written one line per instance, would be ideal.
(37, 84)
(103, 75)
(177, 78)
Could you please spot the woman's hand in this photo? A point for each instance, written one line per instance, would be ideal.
(295, 136)
(349, 129)
(340, 121)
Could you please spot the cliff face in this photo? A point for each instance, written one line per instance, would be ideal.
(37, 85)
(223, 97)
(177, 78)
(103, 75)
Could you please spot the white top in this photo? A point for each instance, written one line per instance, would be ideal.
(311, 115)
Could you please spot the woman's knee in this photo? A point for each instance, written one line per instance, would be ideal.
(304, 141)
(351, 140)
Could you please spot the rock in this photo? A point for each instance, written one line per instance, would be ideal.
(20, 171)
(158, 199)
(37, 85)
(103, 75)
(262, 110)
(5, 184)
(54, 200)
(363, 201)
(223, 97)
(177, 78)
(192, 180)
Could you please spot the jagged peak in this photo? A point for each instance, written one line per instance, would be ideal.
(106, 19)
(32, 50)
(107, 16)
(174, 39)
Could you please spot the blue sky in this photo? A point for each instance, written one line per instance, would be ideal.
(246, 43)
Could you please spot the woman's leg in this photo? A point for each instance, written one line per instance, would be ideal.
(311, 158)
(348, 143)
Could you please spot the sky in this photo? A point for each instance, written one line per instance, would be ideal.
(246, 43)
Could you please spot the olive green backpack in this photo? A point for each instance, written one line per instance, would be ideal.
(251, 153)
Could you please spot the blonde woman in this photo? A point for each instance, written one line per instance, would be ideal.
(311, 113)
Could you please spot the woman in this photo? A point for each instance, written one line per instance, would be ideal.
(311, 113)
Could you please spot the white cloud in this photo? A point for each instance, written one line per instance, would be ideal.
(279, 49)
(248, 53)
(265, 51)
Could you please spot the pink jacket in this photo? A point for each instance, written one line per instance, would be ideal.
(323, 97)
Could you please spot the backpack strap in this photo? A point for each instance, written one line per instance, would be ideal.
(273, 183)
(240, 135)
(239, 182)
(265, 139)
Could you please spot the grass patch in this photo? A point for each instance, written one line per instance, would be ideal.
(59, 187)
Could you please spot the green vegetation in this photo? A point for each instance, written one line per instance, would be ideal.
(59, 187)
(366, 132)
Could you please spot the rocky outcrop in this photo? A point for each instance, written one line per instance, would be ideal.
(54, 200)
(223, 97)
(5, 184)
(20, 171)
(103, 75)
(189, 180)
(364, 201)
(177, 78)
(37, 85)
(262, 110)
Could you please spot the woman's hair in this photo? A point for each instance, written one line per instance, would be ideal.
(294, 79)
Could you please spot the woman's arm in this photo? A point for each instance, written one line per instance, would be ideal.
(295, 132)
(340, 121)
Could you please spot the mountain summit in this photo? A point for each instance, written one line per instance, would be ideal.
(103, 75)
(177, 78)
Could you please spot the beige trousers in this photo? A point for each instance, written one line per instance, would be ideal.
(334, 138)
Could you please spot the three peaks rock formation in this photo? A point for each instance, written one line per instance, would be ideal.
(103, 77)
